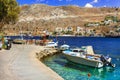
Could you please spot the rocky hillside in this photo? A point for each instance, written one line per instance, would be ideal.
(49, 17)
(45, 12)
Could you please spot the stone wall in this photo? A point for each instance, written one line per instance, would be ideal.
(46, 52)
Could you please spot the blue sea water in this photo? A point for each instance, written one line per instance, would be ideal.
(73, 71)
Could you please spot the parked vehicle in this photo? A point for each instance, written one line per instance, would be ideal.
(7, 44)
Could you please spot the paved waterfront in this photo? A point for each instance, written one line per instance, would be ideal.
(20, 63)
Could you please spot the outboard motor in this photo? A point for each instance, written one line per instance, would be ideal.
(110, 64)
(106, 61)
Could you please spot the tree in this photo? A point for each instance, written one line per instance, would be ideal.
(113, 18)
(9, 11)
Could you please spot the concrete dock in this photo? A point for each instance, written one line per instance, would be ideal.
(20, 63)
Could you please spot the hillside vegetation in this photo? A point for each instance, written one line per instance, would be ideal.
(49, 17)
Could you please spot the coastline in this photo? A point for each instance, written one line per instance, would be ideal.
(20, 63)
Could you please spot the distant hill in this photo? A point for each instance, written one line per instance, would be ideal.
(49, 17)
(45, 12)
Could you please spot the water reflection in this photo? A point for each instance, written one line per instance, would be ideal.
(72, 71)
(69, 70)
(101, 72)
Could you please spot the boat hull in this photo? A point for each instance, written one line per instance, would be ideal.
(84, 61)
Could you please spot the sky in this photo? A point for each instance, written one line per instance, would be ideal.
(81, 3)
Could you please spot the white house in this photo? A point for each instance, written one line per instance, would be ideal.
(108, 21)
(68, 29)
(80, 30)
(59, 29)
(93, 24)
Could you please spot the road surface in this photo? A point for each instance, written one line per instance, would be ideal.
(20, 63)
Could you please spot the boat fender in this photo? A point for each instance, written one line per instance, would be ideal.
(89, 75)
(113, 65)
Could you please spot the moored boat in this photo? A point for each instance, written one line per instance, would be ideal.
(64, 47)
(86, 56)
(52, 44)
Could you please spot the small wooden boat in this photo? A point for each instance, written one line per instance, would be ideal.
(19, 41)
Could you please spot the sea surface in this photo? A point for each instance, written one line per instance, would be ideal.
(72, 71)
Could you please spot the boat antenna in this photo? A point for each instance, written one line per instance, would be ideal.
(64, 42)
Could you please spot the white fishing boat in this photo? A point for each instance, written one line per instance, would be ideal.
(86, 56)
(52, 44)
(64, 47)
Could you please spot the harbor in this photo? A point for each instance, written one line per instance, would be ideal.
(32, 61)
(74, 71)
(21, 57)
(59, 40)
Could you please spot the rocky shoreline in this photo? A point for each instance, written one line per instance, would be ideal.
(46, 52)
